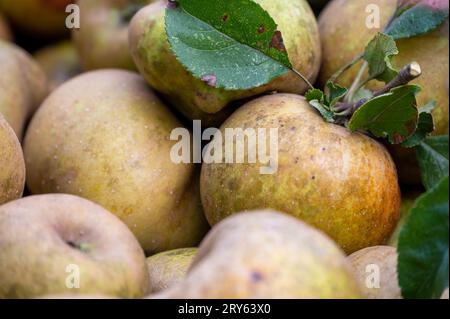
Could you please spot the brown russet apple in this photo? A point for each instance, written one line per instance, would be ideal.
(62, 244)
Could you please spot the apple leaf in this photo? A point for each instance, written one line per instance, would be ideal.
(323, 110)
(423, 245)
(335, 92)
(314, 94)
(393, 115)
(424, 127)
(432, 154)
(416, 17)
(228, 44)
(378, 54)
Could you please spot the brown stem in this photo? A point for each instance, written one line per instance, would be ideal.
(406, 75)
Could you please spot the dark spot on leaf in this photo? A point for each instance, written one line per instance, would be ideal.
(225, 17)
(210, 79)
(398, 138)
(277, 42)
(256, 276)
(261, 29)
(172, 4)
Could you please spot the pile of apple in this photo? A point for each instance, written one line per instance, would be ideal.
(85, 124)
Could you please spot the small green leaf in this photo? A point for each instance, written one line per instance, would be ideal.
(227, 44)
(423, 246)
(314, 94)
(335, 92)
(417, 17)
(323, 110)
(378, 55)
(432, 154)
(424, 127)
(393, 115)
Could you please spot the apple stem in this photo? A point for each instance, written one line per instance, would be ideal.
(409, 73)
(346, 67)
(303, 78)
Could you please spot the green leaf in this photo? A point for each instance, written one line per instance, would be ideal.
(417, 17)
(314, 94)
(393, 115)
(432, 154)
(423, 246)
(323, 110)
(424, 127)
(378, 54)
(227, 44)
(334, 92)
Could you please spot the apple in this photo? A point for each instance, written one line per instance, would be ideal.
(37, 18)
(63, 244)
(102, 40)
(169, 267)
(23, 86)
(264, 255)
(195, 98)
(376, 271)
(12, 164)
(343, 183)
(105, 136)
(60, 63)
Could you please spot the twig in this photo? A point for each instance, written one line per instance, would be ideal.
(406, 75)
(303, 78)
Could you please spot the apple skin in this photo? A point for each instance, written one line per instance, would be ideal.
(344, 36)
(37, 18)
(5, 31)
(102, 41)
(385, 258)
(340, 182)
(265, 255)
(12, 164)
(104, 135)
(194, 98)
(60, 63)
(169, 268)
(41, 235)
(23, 86)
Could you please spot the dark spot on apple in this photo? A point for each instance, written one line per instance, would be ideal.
(72, 244)
(256, 276)
(313, 177)
(277, 42)
(261, 29)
